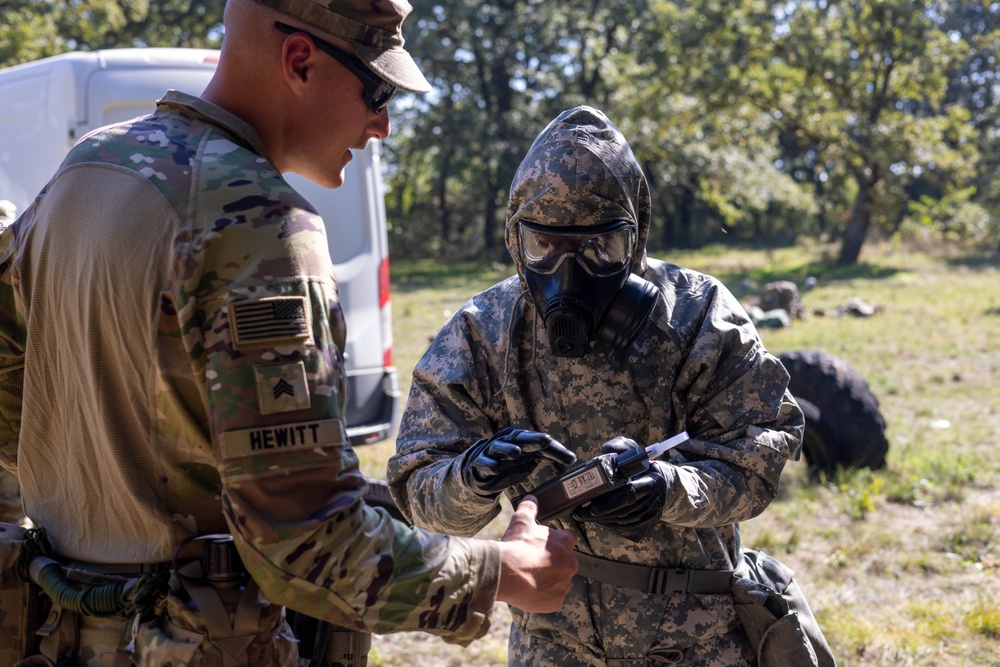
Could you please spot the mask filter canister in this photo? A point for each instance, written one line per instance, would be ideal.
(628, 313)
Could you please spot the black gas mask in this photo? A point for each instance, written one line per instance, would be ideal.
(581, 282)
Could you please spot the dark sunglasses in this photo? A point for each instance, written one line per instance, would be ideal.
(378, 91)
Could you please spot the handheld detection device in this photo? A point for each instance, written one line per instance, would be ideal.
(587, 480)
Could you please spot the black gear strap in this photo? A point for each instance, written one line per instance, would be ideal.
(656, 580)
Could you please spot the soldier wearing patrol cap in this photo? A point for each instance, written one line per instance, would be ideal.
(170, 278)
(602, 348)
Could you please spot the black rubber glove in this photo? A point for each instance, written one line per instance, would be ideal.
(631, 510)
(491, 465)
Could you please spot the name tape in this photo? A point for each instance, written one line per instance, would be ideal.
(268, 439)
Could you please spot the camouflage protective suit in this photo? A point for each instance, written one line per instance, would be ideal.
(697, 365)
(169, 305)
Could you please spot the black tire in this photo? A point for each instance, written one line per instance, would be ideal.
(378, 496)
(844, 427)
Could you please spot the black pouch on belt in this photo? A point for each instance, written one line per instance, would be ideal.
(328, 645)
(22, 606)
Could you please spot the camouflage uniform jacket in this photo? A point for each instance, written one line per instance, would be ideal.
(184, 375)
(698, 365)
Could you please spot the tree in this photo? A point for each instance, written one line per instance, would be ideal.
(35, 29)
(501, 71)
(847, 78)
(975, 86)
(753, 116)
(710, 157)
(29, 31)
(465, 134)
(855, 88)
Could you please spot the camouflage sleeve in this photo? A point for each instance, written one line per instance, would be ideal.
(451, 407)
(13, 336)
(743, 422)
(261, 316)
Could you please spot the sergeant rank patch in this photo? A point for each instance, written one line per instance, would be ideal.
(270, 321)
(281, 387)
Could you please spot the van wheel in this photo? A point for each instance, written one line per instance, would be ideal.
(844, 427)
(378, 496)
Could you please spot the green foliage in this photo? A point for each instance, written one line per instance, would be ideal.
(35, 29)
(984, 619)
(751, 118)
(29, 31)
(953, 217)
(501, 71)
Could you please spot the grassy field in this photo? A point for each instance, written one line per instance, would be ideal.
(901, 565)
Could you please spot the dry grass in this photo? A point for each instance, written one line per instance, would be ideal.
(901, 565)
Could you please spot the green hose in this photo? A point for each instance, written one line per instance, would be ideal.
(106, 600)
(127, 598)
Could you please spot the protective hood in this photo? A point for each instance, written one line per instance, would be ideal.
(579, 171)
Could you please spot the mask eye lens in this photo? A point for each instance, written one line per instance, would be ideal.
(593, 252)
(540, 252)
(609, 252)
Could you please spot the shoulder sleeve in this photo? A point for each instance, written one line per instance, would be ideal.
(265, 334)
(743, 422)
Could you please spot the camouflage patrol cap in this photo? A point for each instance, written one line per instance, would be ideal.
(372, 27)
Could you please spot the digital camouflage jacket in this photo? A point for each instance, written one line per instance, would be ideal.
(698, 365)
(168, 306)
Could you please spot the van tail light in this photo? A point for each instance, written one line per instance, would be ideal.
(385, 307)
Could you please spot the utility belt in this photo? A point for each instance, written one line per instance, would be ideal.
(655, 580)
(207, 610)
(113, 569)
(769, 604)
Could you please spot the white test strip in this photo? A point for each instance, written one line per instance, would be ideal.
(658, 449)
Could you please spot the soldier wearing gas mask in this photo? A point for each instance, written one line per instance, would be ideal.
(594, 347)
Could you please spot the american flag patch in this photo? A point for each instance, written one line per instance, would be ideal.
(269, 321)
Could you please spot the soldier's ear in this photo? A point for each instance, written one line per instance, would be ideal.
(298, 55)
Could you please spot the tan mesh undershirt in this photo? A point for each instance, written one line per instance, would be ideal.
(106, 265)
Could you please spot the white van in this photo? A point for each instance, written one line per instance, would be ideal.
(47, 105)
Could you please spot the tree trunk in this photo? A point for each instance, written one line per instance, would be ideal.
(685, 218)
(820, 195)
(444, 214)
(490, 221)
(861, 216)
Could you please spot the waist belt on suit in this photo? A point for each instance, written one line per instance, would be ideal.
(657, 580)
(125, 569)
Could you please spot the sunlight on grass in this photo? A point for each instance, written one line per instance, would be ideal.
(976, 538)
(984, 619)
